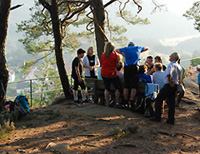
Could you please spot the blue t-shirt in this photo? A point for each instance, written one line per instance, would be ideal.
(131, 54)
(145, 78)
(199, 78)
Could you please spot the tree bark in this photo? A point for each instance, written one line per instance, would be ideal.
(4, 14)
(99, 15)
(58, 49)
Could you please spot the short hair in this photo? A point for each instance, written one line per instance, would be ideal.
(142, 69)
(159, 58)
(119, 67)
(175, 55)
(131, 44)
(149, 57)
(80, 51)
(158, 66)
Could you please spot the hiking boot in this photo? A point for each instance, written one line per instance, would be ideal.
(84, 101)
(118, 105)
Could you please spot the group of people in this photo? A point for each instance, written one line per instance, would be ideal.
(168, 78)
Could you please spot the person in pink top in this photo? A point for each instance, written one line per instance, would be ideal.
(109, 61)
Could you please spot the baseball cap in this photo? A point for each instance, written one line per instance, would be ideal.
(130, 43)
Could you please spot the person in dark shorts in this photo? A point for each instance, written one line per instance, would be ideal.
(109, 62)
(131, 54)
(77, 69)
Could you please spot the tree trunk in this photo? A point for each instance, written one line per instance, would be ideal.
(99, 15)
(58, 49)
(4, 14)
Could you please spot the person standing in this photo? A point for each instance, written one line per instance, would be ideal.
(91, 63)
(131, 54)
(109, 62)
(173, 74)
(77, 69)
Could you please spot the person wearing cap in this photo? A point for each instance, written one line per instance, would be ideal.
(131, 55)
(168, 92)
(77, 69)
(198, 69)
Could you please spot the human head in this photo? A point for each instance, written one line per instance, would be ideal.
(158, 59)
(157, 67)
(131, 44)
(149, 60)
(80, 53)
(108, 48)
(174, 57)
(142, 69)
(119, 67)
(90, 51)
(198, 68)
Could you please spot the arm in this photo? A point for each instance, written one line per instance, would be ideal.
(145, 49)
(171, 82)
(78, 74)
(85, 63)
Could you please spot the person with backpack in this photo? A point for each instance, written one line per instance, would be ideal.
(91, 63)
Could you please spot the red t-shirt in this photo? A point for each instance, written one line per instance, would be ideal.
(109, 69)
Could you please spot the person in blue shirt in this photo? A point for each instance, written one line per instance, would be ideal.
(143, 77)
(131, 55)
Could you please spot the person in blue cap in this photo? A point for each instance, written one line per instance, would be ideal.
(131, 55)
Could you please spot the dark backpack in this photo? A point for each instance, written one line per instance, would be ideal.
(21, 105)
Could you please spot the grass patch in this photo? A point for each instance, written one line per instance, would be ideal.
(119, 133)
(4, 131)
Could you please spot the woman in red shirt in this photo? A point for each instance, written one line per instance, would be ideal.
(109, 62)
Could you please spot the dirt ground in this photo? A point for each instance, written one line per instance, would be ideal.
(97, 129)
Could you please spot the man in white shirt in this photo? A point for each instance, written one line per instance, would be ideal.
(172, 77)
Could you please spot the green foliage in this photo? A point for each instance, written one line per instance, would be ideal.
(194, 14)
(4, 131)
(132, 19)
(195, 61)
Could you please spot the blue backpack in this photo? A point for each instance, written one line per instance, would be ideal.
(22, 104)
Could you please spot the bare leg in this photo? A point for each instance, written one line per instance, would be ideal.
(117, 96)
(133, 94)
(83, 95)
(75, 93)
(126, 92)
